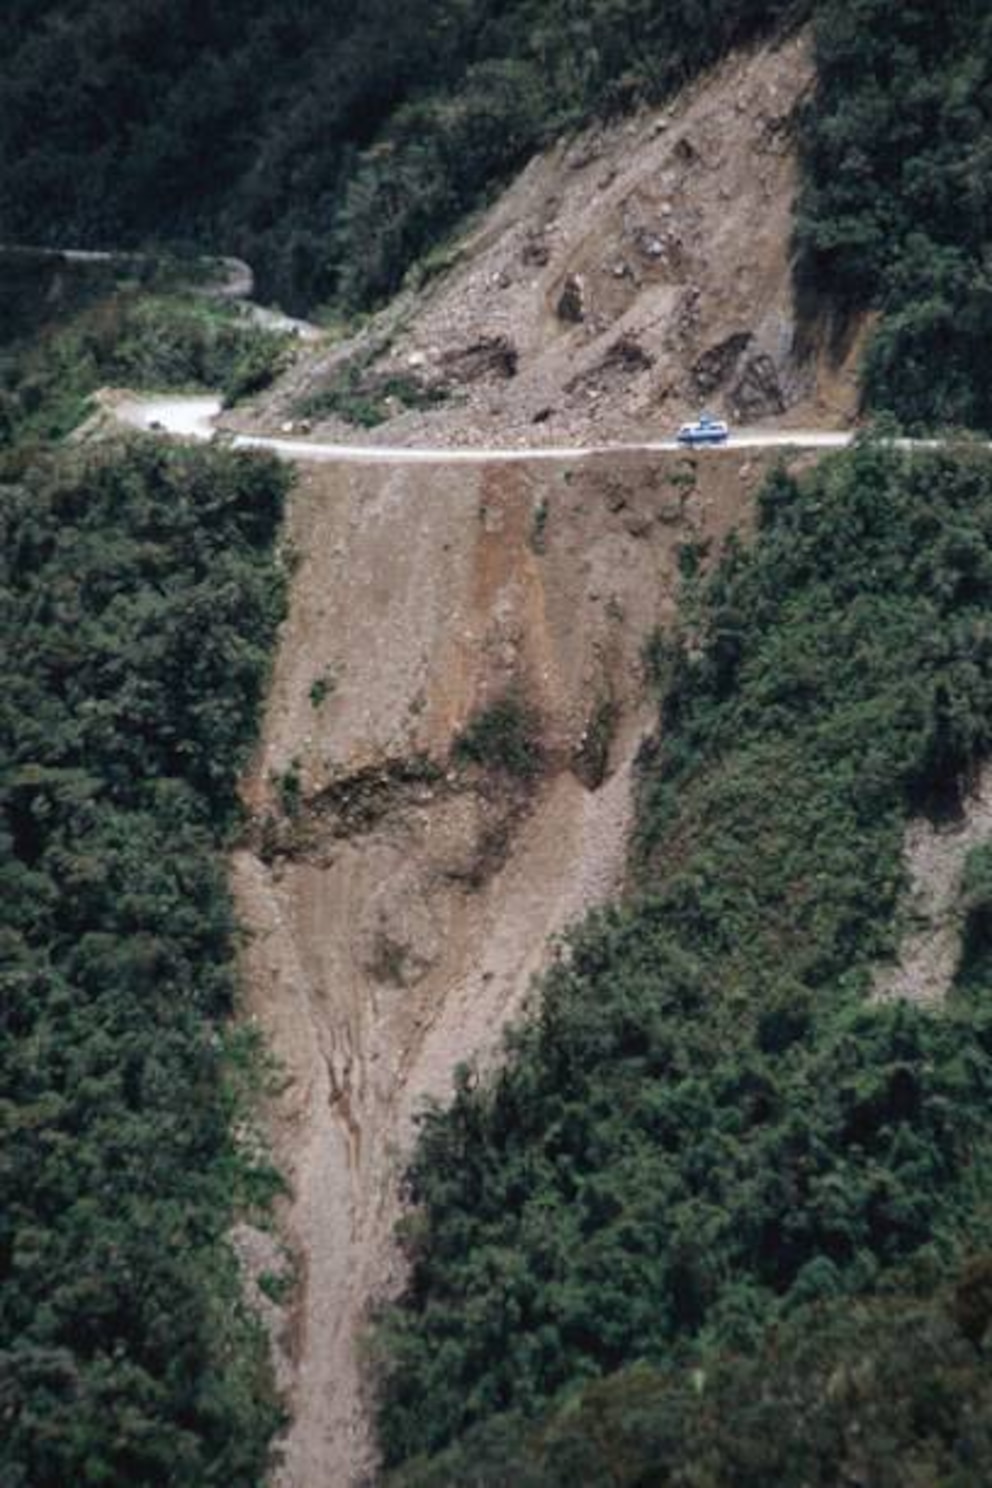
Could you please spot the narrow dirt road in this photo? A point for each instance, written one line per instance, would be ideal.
(194, 418)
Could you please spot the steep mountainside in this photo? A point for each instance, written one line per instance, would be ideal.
(612, 864)
(402, 891)
(628, 276)
(327, 143)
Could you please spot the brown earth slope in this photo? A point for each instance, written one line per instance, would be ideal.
(399, 902)
(628, 277)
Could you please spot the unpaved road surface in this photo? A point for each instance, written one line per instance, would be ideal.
(195, 418)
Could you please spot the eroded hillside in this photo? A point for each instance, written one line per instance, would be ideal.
(628, 276)
(400, 898)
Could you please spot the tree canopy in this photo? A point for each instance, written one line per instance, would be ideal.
(138, 600)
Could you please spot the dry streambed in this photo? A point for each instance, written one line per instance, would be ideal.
(398, 900)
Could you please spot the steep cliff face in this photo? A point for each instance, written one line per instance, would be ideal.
(628, 277)
(399, 897)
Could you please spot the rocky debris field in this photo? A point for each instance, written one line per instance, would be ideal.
(628, 277)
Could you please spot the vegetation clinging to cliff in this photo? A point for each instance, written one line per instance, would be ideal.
(704, 1126)
(138, 600)
(896, 207)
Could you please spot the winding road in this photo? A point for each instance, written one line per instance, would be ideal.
(195, 418)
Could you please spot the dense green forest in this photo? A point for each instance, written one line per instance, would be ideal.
(887, 1391)
(138, 601)
(705, 1127)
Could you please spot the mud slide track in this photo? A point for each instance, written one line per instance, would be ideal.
(397, 914)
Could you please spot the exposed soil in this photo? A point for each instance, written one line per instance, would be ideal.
(399, 903)
(935, 858)
(628, 277)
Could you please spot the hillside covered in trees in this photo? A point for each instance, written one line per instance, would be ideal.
(722, 1218)
(138, 600)
(297, 134)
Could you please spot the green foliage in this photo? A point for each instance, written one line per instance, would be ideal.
(703, 1126)
(976, 904)
(896, 203)
(332, 145)
(367, 399)
(591, 759)
(503, 736)
(539, 528)
(131, 339)
(321, 689)
(249, 361)
(138, 601)
(884, 1391)
(290, 788)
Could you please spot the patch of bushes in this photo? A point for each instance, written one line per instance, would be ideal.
(321, 688)
(368, 399)
(503, 736)
(131, 340)
(703, 1127)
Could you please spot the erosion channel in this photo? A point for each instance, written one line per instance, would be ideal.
(399, 898)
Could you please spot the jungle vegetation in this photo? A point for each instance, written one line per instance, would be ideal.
(707, 1134)
(138, 600)
(896, 210)
(329, 144)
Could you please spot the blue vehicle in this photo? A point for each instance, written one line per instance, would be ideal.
(706, 430)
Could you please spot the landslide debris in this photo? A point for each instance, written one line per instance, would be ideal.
(627, 276)
(443, 786)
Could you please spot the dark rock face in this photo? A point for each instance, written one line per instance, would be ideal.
(757, 392)
(492, 356)
(572, 302)
(717, 363)
(628, 355)
(535, 251)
